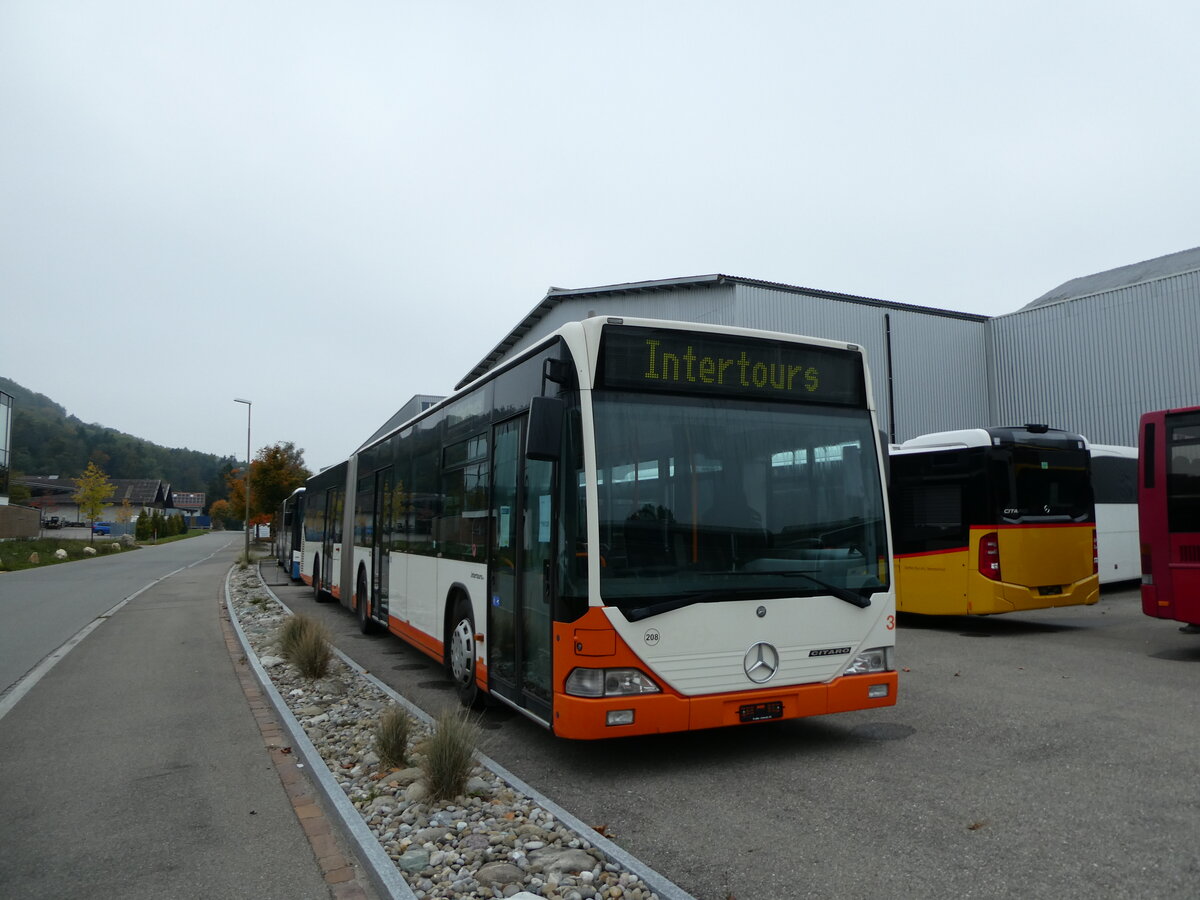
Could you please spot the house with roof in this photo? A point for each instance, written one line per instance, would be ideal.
(54, 496)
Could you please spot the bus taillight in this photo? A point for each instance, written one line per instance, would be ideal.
(989, 556)
(1095, 554)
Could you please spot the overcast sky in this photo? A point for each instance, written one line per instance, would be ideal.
(329, 207)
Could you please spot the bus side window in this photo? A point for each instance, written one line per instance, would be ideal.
(1148, 456)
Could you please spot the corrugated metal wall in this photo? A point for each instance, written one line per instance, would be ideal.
(939, 362)
(707, 304)
(1095, 364)
(939, 376)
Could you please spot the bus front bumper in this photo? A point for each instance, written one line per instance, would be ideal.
(589, 719)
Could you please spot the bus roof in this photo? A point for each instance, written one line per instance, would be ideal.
(996, 435)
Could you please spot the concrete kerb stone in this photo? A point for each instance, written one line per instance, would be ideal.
(660, 884)
(384, 875)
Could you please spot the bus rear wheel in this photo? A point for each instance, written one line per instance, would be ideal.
(362, 600)
(318, 595)
(462, 652)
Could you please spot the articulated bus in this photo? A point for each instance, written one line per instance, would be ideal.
(1114, 484)
(1169, 514)
(289, 533)
(993, 520)
(632, 527)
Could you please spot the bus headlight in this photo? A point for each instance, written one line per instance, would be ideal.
(610, 683)
(878, 659)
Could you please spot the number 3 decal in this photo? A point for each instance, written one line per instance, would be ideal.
(891, 623)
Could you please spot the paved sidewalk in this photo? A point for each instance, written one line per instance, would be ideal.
(137, 768)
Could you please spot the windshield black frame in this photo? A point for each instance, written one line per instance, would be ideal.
(704, 499)
(1035, 483)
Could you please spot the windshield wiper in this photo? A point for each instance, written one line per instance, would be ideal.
(634, 614)
(862, 601)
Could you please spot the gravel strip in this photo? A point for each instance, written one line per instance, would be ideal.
(496, 841)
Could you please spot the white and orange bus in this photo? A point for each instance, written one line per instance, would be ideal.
(993, 520)
(632, 527)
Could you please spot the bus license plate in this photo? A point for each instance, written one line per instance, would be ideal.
(1050, 591)
(758, 712)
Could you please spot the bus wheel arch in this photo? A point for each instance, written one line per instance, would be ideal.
(460, 646)
(362, 602)
(318, 595)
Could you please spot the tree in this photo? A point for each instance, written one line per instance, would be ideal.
(275, 472)
(18, 494)
(222, 514)
(92, 489)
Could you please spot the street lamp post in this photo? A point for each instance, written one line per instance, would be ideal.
(249, 405)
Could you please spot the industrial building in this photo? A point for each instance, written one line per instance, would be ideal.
(1088, 356)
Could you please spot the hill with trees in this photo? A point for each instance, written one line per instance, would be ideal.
(45, 440)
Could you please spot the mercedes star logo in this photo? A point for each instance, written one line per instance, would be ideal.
(762, 662)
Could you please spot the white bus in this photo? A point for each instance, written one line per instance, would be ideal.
(632, 527)
(1114, 482)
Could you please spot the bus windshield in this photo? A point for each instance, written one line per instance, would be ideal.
(1035, 483)
(706, 499)
(1183, 474)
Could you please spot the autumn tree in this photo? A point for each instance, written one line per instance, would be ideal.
(276, 472)
(221, 513)
(92, 488)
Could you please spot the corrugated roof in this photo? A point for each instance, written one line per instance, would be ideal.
(556, 295)
(138, 491)
(1124, 276)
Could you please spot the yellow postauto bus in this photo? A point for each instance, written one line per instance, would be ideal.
(993, 520)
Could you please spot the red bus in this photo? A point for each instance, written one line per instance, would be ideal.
(1169, 514)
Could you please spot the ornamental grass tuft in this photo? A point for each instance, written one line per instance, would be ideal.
(449, 754)
(304, 642)
(392, 732)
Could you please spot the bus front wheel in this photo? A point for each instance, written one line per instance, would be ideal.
(462, 652)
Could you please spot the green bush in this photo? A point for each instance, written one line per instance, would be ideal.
(449, 755)
(391, 737)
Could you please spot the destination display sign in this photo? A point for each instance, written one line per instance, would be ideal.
(690, 362)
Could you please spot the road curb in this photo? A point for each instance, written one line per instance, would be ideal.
(384, 876)
(660, 884)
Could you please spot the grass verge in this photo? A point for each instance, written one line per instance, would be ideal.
(15, 555)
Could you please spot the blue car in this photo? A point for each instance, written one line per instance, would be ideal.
(102, 528)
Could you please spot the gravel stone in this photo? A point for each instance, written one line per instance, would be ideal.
(493, 842)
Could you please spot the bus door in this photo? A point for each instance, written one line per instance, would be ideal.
(519, 626)
(331, 543)
(381, 542)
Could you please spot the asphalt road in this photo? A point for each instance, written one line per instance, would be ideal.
(42, 608)
(1044, 754)
(134, 768)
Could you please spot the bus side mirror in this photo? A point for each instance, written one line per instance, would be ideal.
(544, 438)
